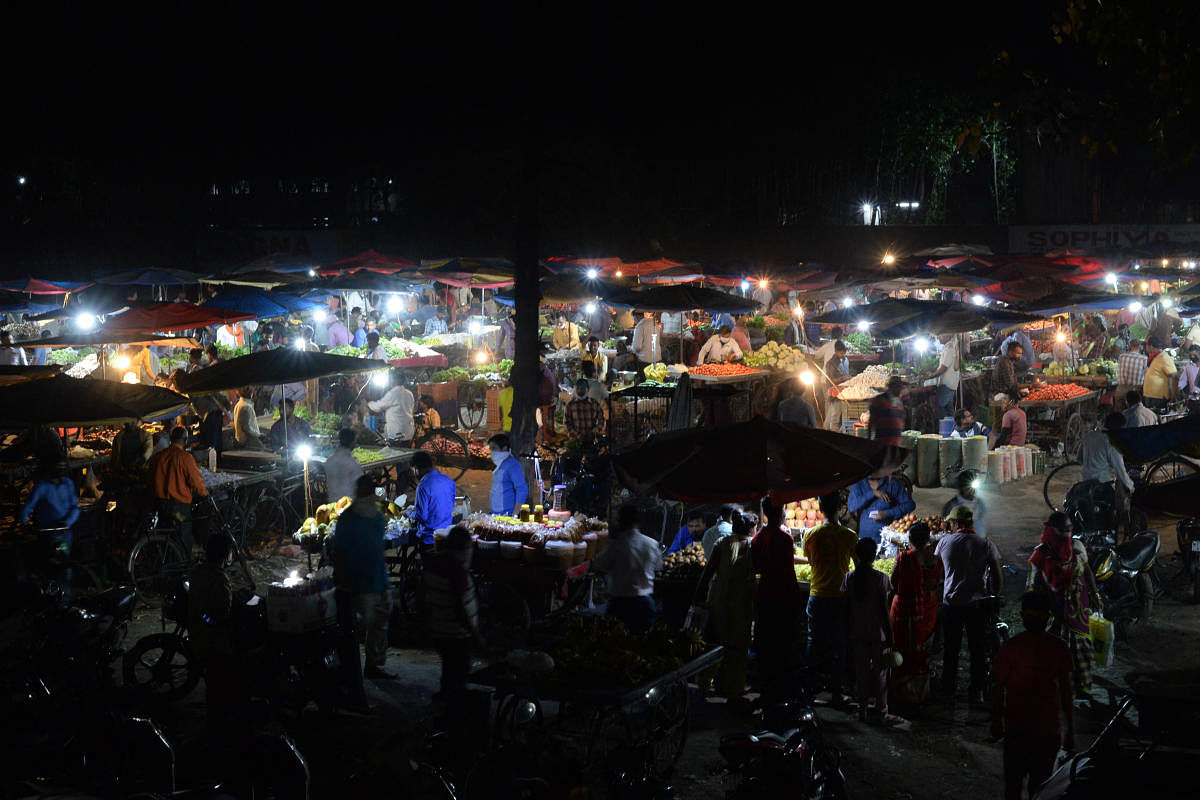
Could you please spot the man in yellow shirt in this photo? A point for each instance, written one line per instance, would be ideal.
(505, 401)
(829, 549)
(1159, 388)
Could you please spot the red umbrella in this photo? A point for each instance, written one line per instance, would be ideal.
(372, 260)
(169, 317)
(39, 286)
(741, 463)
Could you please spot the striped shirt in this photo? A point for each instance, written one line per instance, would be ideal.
(1131, 368)
(887, 419)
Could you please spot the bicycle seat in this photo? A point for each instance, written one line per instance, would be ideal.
(1136, 554)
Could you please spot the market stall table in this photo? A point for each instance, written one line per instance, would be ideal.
(1055, 423)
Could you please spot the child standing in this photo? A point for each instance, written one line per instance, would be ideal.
(868, 591)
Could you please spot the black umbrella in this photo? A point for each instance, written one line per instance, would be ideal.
(683, 298)
(272, 368)
(896, 319)
(64, 402)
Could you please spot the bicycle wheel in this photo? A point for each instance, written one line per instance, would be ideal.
(231, 519)
(157, 564)
(1169, 468)
(669, 721)
(1058, 483)
(161, 667)
(265, 517)
(450, 451)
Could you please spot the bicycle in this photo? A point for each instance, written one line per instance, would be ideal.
(158, 561)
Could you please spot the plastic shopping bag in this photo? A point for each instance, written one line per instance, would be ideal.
(697, 618)
(1104, 636)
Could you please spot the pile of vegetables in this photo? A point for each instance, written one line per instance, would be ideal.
(603, 648)
(657, 372)
(1062, 391)
(866, 384)
(364, 455)
(684, 566)
(490, 372)
(721, 370)
(884, 565)
(773, 355)
(65, 356)
(226, 352)
(859, 343)
(756, 322)
(451, 374)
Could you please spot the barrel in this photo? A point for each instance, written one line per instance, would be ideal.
(975, 452)
(996, 466)
(909, 441)
(927, 459)
(950, 452)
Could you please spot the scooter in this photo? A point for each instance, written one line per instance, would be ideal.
(1123, 575)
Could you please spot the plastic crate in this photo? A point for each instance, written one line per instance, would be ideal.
(854, 409)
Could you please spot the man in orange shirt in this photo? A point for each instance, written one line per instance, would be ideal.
(175, 482)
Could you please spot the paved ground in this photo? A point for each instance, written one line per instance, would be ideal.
(942, 753)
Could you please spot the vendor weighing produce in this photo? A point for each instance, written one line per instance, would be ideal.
(878, 501)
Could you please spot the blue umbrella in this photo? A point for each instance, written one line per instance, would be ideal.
(151, 277)
(257, 301)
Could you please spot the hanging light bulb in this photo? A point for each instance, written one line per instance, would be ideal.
(921, 344)
(319, 315)
(1135, 306)
(807, 377)
(847, 302)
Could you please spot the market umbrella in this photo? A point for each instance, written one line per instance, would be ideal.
(683, 298)
(66, 402)
(96, 300)
(273, 368)
(262, 303)
(566, 290)
(39, 286)
(953, 250)
(19, 373)
(151, 277)
(475, 273)
(170, 317)
(261, 278)
(362, 281)
(741, 463)
(279, 263)
(372, 260)
(893, 318)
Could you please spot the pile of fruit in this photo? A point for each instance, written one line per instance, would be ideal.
(884, 565)
(657, 372)
(603, 648)
(721, 370)
(937, 525)
(314, 529)
(778, 320)
(774, 355)
(904, 523)
(499, 527)
(1062, 391)
(805, 514)
(684, 566)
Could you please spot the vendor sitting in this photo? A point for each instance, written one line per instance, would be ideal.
(691, 532)
(966, 426)
(878, 501)
(720, 349)
(289, 431)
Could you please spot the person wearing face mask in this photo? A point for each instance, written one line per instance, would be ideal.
(720, 349)
(584, 417)
(434, 506)
(566, 334)
(509, 488)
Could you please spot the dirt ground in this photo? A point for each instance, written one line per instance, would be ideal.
(945, 752)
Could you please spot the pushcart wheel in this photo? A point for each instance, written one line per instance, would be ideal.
(450, 451)
(161, 666)
(1169, 468)
(1059, 481)
(669, 728)
(1073, 435)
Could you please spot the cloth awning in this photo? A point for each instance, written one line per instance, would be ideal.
(566, 290)
(66, 402)
(744, 462)
(893, 318)
(163, 317)
(372, 260)
(273, 367)
(474, 273)
(259, 302)
(151, 277)
(98, 337)
(39, 286)
(683, 298)
(263, 279)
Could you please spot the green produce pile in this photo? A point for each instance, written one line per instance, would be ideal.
(364, 455)
(858, 342)
(896, 366)
(501, 368)
(347, 350)
(756, 322)
(226, 352)
(452, 374)
(326, 422)
(884, 565)
(602, 648)
(1103, 366)
(66, 356)
(432, 341)
(392, 350)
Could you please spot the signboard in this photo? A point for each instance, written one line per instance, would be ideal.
(1043, 238)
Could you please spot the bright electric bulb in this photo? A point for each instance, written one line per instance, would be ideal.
(979, 300)
(121, 362)
(745, 284)
(590, 308)
(864, 325)
(975, 484)
(762, 284)
(474, 327)
(1060, 337)
(379, 379)
(1111, 278)
(1166, 302)
(592, 273)
(1165, 262)
(312, 273)
(394, 305)
(921, 344)
(807, 377)
(847, 302)
(300, 344)
(129, 378)
(481, 357)
(319, 315)
(304, 452)
(1135, 306)
(798, 311)
(85, 321)
(1145, 286)
(619, 274)
(889, 259)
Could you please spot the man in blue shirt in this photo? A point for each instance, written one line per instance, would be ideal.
(878, 501)
(795, 409)
(509, 488)
(434, 506)
(691, 532)
(1028, 356)
(360, 572)
(54, 502)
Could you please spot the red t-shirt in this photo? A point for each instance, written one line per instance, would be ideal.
(773, 551)
(1032, 667)
(1014, 418)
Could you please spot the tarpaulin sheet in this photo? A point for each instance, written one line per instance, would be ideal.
(151, 277)
(683, 298)
(17, 373)
(258, 301)
(744, 462)
(273, 367)
(40, 286)
(566, 289)
(65, 402)
(372, 260)
(170, 317)
(893, 318)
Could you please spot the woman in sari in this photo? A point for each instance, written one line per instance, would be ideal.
(729, 582)
(916, 577)
(1059, 565)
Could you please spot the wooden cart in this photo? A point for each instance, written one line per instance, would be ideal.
(1064, 422)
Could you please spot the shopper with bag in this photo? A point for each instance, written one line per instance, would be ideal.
(727, 588)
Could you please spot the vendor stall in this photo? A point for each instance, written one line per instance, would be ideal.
(1058, 416)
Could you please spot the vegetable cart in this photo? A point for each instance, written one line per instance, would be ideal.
(1055, 422)
(614, 727)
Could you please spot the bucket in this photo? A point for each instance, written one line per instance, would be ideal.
(945, 426)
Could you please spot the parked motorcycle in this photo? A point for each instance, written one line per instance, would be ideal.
(1124, 574)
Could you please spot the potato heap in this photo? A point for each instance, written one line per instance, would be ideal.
(684, 566)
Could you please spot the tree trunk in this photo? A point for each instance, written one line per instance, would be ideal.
(525, 371)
